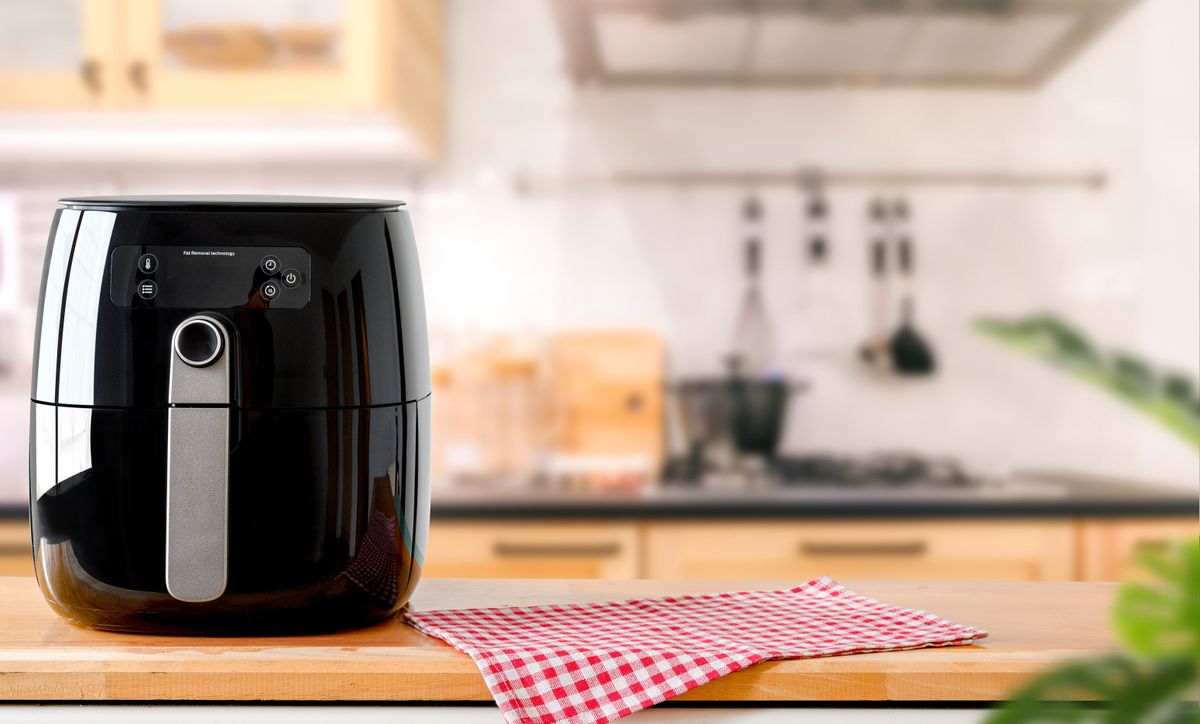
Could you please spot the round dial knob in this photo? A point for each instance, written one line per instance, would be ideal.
(198, 343)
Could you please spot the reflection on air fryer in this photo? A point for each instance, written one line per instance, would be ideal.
(272, 475)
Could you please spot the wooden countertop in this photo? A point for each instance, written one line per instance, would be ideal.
(1032, 625)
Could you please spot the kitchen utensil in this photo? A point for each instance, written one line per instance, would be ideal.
(817, 228)
(876, 350)
(910, 353)
(726, 418)
(759, 412)
(607, 388)
(230, 414)
(753, 339)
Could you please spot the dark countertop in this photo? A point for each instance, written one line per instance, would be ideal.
(1041, 495)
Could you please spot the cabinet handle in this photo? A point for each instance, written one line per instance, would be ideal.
(90, 71)
(902, 548)
(1152, 544)
(138, 76)
(556, 550)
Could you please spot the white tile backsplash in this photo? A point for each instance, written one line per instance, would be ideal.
(1123, 262)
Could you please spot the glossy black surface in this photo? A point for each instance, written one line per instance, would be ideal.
(328, 453)
(359, 340)
(328, 518)
(229, 202)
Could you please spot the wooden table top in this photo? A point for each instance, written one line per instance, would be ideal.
(1032, 626)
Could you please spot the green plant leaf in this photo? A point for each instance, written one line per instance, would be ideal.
(1168, 398)
(1161, 618)
(1116, 689)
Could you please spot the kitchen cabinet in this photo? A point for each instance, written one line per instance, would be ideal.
(1021, 550)
(275, 55)
(914, 549)
(532, 549)
(52, 53)
(16, 558)
(1108, 549)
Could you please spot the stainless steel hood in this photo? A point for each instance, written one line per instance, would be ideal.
(964, 43)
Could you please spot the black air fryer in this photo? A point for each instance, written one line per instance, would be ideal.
(230, 416)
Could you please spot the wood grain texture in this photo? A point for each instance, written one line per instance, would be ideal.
(1032, 626)
(1108, 549)
(1006, 550)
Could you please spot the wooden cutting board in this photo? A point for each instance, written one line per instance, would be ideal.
(1032, 626)
(608, 392)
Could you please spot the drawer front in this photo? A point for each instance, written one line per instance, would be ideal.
(16, 557)
(1109, 548)
(933, 550)
(532, 549)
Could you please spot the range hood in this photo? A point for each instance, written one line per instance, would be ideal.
(964, 43)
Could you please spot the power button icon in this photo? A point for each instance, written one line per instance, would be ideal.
(291, 278)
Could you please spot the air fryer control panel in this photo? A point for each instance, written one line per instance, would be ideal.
(181, 277)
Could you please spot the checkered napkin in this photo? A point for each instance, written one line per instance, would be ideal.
(595, 662)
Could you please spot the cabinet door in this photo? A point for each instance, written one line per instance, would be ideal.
(1109, 548)
(984, 550)
(16, 558)
(520, 549)
(264, 54)
(57, 53)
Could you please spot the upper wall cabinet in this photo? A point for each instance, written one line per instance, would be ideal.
(233, 55)
(53, 53)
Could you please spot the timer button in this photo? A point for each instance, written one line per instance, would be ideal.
(269, 290)
(147, 263)
(270, 264)
(291, 278)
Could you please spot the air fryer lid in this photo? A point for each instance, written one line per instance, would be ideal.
(321, 298)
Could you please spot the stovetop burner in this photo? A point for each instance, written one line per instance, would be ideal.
(889, 470)
(881, 470)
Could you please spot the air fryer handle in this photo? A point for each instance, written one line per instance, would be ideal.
(198, 460)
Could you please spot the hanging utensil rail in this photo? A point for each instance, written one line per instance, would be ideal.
(547, 183)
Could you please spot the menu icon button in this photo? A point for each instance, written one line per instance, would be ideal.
(147, 289)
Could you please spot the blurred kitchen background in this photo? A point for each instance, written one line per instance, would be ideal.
(716, 288)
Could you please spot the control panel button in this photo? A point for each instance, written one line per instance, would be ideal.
(198, 343)
(291, 278)
(147, 263)
(147, 289)
(270, 264)
(269, 290)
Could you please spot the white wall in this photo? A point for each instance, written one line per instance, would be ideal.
(1122, 263)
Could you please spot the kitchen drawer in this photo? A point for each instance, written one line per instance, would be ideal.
(985, 550)
(532, 549)
(16, 558)
(1108, 548)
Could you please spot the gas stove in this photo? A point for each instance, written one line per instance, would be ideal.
(897, 470)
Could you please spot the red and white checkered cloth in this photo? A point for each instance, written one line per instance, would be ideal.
(595, 662)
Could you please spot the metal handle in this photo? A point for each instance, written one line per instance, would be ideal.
(556, 550)
(90, 71)
(198, 460)
(899, 549)
(138, 76)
